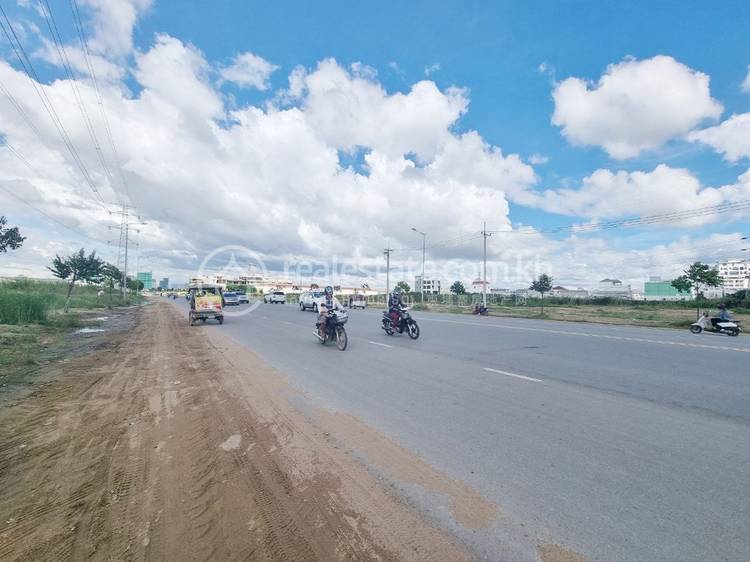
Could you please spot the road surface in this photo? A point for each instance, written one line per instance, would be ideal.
(618, 443)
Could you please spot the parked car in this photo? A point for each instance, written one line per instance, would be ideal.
(274, 297)
(231, 299)
(242, 297)
(310, 300)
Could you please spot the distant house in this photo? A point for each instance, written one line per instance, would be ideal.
(612, 288)
(560, 291)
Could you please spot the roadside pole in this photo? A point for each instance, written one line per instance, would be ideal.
(387, 254)
(485, 234)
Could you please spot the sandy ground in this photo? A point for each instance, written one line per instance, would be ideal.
(171, 443)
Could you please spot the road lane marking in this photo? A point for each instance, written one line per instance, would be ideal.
(287, 322)
(590, 335)
(507, 374)
(380, 344)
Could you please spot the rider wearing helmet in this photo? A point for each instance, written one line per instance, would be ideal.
(723, 316)
(395, 303)
(330, 303)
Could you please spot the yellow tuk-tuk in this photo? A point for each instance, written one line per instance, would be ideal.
(206, 301)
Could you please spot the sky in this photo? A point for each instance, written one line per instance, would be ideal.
(595, 139)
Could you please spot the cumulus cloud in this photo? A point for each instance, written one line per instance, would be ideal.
(746, 83)
(113, 23)
(431, 68)
(249, 71)
(634, 106)
(606, 194)
(270, 177)
(731, 138)
(536, 159)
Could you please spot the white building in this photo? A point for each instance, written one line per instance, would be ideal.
(612, 288)
(431, 286)
(735, 274)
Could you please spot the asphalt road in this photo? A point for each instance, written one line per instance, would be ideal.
(620, 443)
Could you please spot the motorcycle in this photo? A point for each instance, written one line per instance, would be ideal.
(334, 330)
(730, 328)
(406, 323)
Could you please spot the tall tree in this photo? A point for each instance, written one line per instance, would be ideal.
(458, 288)
(112, 276)
(77, 267)
(404, 286)
(697, 277)
(542, 285)
(10, 238)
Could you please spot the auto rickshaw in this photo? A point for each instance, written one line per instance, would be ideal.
(206, 301)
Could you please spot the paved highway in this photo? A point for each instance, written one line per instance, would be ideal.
(620, 443)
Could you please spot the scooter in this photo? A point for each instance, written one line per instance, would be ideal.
(730, 328)
(334, 329)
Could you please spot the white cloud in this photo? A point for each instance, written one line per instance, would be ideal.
(431, 68)
(635, 106)
(746, 83)
(249, 70)
(606, 195)
(731, 138)
(270, 177)
(536, 159)
(113, 22)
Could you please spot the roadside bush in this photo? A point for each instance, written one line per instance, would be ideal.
(18, 307)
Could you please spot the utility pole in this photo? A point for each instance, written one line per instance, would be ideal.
(387, 254)
(424, 243)
(485, 234)
(126, 224)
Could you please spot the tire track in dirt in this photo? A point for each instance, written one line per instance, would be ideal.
(155, 448)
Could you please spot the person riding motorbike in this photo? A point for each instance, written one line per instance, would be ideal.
(330, 303)
(395, 303)
(723, 316)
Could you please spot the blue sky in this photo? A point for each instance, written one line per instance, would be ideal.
(508, 57)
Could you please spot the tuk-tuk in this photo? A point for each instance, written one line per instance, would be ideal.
(206, 301)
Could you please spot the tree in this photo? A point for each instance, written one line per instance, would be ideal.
(135, 284)
(458, 288)
(314, 286)
(112, 275)
(404, 286)
(77, 267)
(10, 238)
(697, 277)
(543, 284)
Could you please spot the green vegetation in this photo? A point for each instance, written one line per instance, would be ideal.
(698, 276)
(542, 285)
(10, 238)
(26, 301)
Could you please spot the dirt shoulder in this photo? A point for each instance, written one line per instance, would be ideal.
(162, 446)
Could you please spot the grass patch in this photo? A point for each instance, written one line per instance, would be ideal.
(25, 301)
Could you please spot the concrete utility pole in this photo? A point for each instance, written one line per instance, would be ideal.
(424, 242)
(485, 234)
(126, 224)
(387, 254)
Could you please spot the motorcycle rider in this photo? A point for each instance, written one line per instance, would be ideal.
(330, 303)
(723, 316)
(395, 303)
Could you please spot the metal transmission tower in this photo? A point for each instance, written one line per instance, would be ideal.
(125, 225)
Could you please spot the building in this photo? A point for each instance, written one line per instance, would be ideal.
(735, 275)
(164, 283)
(431, 286)
(146, 277)
(559, 291)
(612, 288)
(657, 290)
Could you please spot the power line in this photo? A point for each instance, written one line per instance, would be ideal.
(33, 77)
(57, 39)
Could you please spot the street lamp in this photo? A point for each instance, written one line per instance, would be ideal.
(424, 242)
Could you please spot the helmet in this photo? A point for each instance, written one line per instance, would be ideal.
(397, 290)
(329, 290)
(722, 306)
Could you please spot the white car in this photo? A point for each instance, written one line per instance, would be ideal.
(274, 297)
(311, 300)
(230, 298)
(242, 297)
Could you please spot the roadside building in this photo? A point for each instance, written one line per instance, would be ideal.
(735, 275)
(560, 291)
(613, 288)
(164, 283)
(655, 289)
(431, 286)
(146, 277)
